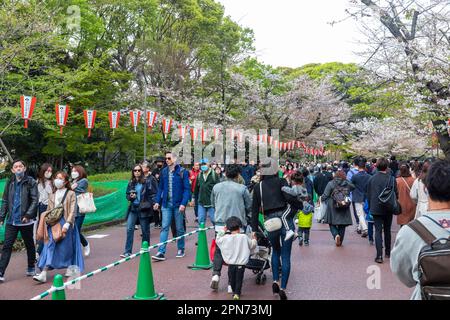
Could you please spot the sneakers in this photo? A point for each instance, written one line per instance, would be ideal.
(275, 288)
(30, 272)
(379, 260)
(125, 255)
(180, 254)
(306, 243)
(300, 241)
(136, 228)
(2, 279)
(42, 277)
(159, 257)
(289, 235)
(87, 250)
(236, 297)
(282, 295)
(358, 230)
(371, 242)
(364, 234)
(215, 282)
(230, 289)
(337, 239)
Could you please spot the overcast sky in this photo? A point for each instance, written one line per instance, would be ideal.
(293, 33)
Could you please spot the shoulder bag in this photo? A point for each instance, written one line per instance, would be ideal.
(53, 216)
(272, 224)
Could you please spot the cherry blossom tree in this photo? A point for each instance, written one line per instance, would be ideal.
(408, 43)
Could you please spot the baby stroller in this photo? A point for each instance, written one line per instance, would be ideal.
(260, 261)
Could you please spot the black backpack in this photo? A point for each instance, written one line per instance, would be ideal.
(434, 263)
(341, 197)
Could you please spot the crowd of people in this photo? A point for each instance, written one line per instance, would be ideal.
(279, 199)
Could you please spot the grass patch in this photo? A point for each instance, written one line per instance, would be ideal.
(107, 177)
(102, 191)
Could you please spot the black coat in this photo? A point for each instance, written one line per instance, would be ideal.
(29, 199)
(148, 194)
(273, 198)
(320, 183)
(375, 186)
(333, 215)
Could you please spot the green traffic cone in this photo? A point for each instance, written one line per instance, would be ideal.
(58, 283)
(202, 261)
(145, 289)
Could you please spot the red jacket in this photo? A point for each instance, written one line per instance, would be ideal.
(193, 174)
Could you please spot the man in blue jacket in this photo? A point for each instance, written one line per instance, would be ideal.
(173, 195)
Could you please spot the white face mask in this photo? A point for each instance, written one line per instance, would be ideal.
(59, 183)
(75, 175)
(48, 175)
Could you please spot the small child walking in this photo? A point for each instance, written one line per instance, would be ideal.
(236, 248)
(299, 191)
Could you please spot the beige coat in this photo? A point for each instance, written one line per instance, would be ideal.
(69, 215)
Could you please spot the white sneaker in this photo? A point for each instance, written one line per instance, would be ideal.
(230, 290)
(87, 250)
(215, 282)
(42, 277)
(289, 235)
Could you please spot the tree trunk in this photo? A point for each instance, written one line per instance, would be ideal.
(443, 136)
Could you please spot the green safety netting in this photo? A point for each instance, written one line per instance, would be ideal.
(111, 207)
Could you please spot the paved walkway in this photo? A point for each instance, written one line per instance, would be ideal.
(320, 271)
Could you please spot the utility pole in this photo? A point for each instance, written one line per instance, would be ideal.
(145, 122)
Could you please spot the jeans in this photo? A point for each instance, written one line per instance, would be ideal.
(169, 213)
(11, 233)
(370, 230)
(202, 212)
(79, 222)
(40, 244)
(196, 205)
(236, 277)
(383, 223)
(304, 231)
(355, 214)
(361, 215)
(133, 217)
(281, 250)
(338, 230)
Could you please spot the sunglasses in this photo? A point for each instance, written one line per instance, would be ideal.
(168, 158)
(137, 170)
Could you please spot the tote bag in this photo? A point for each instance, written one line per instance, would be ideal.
(86, 203)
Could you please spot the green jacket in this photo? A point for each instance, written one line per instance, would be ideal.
(203, 188)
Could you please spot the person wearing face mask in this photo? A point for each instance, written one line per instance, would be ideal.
(159, 165)
(62, 247)
(18, 211)
(203, 188)
(80, 185)
(45, 189)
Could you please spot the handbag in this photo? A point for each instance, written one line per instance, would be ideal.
(57, 233)
(53, 216)
(272, 224)
(85, 202)
(388, 200)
